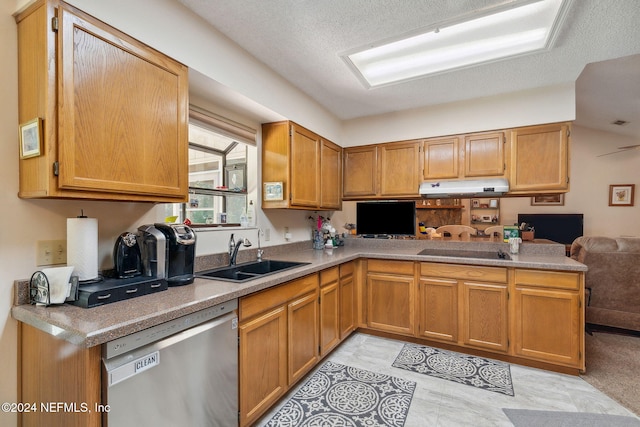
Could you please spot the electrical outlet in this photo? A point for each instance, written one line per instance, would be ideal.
(51, 252)
(267, 234)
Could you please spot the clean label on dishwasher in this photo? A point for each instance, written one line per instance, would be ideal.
(133, 368)
(148, 361)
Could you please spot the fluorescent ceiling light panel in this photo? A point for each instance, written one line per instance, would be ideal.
(516, 28)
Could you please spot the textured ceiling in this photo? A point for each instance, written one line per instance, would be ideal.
(302, 41)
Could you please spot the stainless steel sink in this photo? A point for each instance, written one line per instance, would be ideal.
(499, 254)
(249, 270)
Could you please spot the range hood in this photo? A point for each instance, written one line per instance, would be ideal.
(472, 188)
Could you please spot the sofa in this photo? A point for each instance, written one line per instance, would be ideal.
(612, 281)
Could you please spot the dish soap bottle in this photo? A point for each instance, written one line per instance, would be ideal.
(251, 214)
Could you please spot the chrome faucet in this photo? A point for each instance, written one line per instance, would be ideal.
(234, 252)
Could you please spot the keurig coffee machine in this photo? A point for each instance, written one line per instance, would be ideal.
(168, 251)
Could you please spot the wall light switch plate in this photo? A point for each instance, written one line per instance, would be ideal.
(51, 252)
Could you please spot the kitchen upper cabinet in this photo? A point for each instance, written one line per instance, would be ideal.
(390, 296)
(390, 170)
(464, 156)
(114, 111)
(484, 154)
(400, 169)
(549, 321)
(441, 158)
(540, 159)
(308, 166)
(331, 175)
(360, 172)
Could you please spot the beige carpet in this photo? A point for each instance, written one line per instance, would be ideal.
(613, 367)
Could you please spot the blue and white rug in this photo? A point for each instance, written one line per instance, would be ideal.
(339, 395)
(464, 369)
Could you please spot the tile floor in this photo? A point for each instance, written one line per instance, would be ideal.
(441, 403)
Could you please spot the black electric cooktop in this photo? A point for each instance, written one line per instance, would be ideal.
(465, 254)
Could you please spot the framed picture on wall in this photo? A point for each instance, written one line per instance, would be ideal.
(548, 200)
(621, 194)
(30, 138)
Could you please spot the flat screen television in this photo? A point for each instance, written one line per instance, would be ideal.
(561, 228)
(396, 218)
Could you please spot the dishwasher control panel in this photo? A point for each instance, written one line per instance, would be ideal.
(155, 333)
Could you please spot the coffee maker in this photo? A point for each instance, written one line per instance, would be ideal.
(168, 252)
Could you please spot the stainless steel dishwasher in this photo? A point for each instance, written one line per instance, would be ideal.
(181, 373)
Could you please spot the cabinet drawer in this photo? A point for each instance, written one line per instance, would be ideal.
(465, 272)
(548, 279)
(390, 267)
(346, 269)
(329, 275)
(269, 298)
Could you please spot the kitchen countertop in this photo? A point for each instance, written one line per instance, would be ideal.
(95, 326)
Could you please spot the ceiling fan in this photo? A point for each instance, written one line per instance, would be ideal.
(622, 149)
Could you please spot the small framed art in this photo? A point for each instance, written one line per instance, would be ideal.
(548, 200)
(621, 194)
(273, 191)
(31, 138)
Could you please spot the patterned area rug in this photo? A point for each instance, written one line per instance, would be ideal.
(339, 395)
(470, 370)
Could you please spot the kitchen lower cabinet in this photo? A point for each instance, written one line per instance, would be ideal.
(347, 299)
(390, 296)
(464, 304)
(302, 323)
(263, 363)
(329, 309)
(549, 316)
(438, 309)
(484, 316)
(112, 112)
(55, 370)
(278, 332)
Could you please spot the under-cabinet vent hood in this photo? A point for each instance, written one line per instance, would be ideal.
(472, 188)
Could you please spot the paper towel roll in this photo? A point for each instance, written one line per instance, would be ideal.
(82, 247)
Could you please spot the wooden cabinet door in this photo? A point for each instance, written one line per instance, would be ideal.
(540, 158)
(305, 167)
(329, 315)
(438, 309)
(123, 112)
(360, 177)
(441, 158)
(330, 175)
(400, 169)
(303, 335)
(484, 321)
(347, 300)
(262, 364)
(390, 300)
(484, 154)
(548, 325)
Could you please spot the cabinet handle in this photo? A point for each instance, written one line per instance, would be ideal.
(104, 296)
(131, 291)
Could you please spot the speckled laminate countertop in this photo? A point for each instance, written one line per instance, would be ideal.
(95, 326)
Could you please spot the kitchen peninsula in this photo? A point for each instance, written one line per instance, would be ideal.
(527, 310)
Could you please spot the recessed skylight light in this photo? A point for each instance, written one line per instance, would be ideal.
(515, 28)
